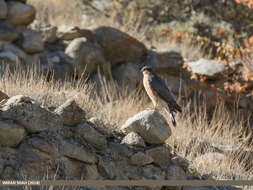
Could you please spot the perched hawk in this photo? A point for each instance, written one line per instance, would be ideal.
(159, 93)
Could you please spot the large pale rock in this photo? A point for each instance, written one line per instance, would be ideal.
(150, 125)
(91, 135)
(3, 10)
(20, 13)
(8, 32)
(207, 67)
(11, 134)
(27, 112)
(77, 152)
(32, 41)
(161, 155)
(118, 46)
(141, 159)
(70, 113)
(133, 139)
(87, 56)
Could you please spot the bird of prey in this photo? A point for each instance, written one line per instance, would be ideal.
(159, 93)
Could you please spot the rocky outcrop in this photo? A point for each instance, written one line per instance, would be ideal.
(34, 142)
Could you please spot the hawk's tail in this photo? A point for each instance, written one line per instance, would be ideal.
(172, 117)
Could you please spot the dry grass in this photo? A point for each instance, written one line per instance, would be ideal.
(57, 12)
(114, 105)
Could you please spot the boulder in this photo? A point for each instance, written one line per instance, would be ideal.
(77, 152)
(87, 56)
(3, 10)
(140, 159)
(167, 62)
(27, 112)
(150, 125)
(31, 41)
(107, 168)
(128, 74)
(11, 134)
(20, 13)
(118, 46)
(70, 113)
(91, 135)
(133, 139)
(53, 64)
(7, 31)
(161, 155)
(210, 68)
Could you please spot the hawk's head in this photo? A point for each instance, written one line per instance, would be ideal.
(146, 68)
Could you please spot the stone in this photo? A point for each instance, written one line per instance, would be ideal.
(140, 159)
(7, 31)
(118, 46)
(11, 134)
(150, 125)
(20, 13)
(207, 67)
(73, 169)
(133, 139)
(53, 64)
(3, 10)
(106, 168)
(66, 32)
(119, 151)
(180, 161)
(3, 96)
(77, 152)
(32, 41)
(100, 126)
(91, 135)
(174, 172)
(127, 74)
(70, 113)
(27, 112)
(161, 155)
(91, 172)
(167, 62)
(47, 31)
(44, 144)
(87, 56)
(35, 163)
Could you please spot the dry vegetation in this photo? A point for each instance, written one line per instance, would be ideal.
(114, 105)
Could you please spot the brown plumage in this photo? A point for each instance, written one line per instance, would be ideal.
(159, 93)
